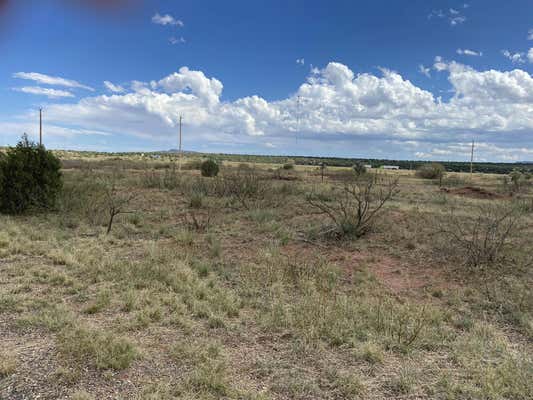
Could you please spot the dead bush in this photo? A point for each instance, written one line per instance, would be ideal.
(199, 219)
(244, 187)
(481, 240)
(355, 205)
(169, 179)
(115, 200)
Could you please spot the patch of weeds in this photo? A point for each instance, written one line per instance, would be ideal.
(261, 216)
(61, 257)
(82, 395)
(201, 267)
(224, 301)
(347, 385)
(284, 236)
(4, 240)
(159, 391)
(102, 301)
(60, 279)
(8, 364)
(369, 352)
(215, 248)
(9, 303)
(208, 370)
(129, 300)
(404, 382)
(67, 376)
(184, 237)
(196, 200)
(195, 353)
(53, 318)
(463, 322)
(406, 326)
(210, 378)
(135, 219)
(215, 322)
(103, 349)
(142, 319)
(495, 371)
(294, 384)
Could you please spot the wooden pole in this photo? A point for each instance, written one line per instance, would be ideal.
(180, 152)
(297, 118)
(472, 161)
(40, 126)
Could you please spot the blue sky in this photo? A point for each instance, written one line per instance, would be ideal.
(413, 79)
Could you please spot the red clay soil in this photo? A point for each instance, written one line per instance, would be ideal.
(397, 276)
(473, 192)
(392, 273)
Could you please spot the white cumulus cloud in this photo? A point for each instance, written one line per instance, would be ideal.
(335, 107)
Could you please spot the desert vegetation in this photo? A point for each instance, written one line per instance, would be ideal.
(262, 281)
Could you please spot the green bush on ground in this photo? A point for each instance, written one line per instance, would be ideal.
(29, 177)
(431, 171)
(209, 168)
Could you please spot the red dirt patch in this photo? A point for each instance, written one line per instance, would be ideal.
(473, 192)
(398, 278)
(393, 274)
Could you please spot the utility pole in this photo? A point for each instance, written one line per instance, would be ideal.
(180, 152)
(40, 126)
(297, 118)
(472, 160)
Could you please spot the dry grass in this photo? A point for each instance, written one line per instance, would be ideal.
(243, 304)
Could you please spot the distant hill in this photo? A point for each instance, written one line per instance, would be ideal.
(177, 151)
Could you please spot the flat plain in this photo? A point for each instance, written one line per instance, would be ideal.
(239, 286)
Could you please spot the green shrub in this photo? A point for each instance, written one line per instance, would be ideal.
(288, 166)
(209, 168)
(359, 168)
(30, 177)
(518, 180)
(244, 167)
(431, 171)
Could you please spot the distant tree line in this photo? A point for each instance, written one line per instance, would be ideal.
(450, 166)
